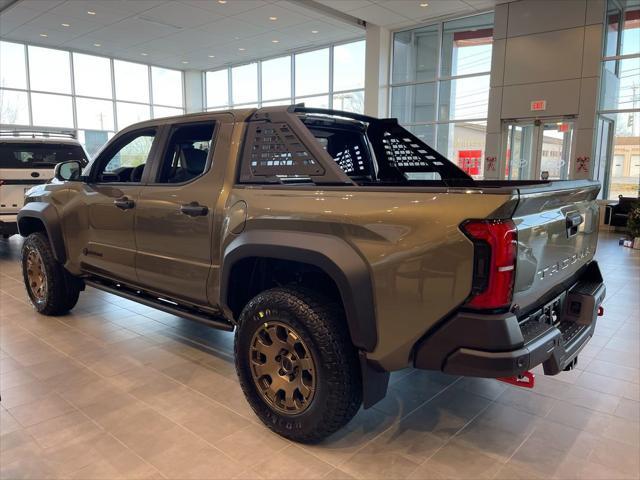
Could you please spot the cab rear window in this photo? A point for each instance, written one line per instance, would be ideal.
(29, 155)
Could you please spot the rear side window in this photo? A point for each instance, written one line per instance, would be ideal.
(33, 155)
(348, 147)
(186, 155)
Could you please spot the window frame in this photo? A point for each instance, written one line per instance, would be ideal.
(167, 132)
(612, 114)
(291, 98)
(116, 144)
(437, 122)
(30, 92)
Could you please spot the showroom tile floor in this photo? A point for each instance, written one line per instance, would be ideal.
(118, 390)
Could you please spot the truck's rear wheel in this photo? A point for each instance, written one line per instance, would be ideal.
(51, 289)
(296, 364)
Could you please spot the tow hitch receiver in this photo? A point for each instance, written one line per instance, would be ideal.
(525, 380)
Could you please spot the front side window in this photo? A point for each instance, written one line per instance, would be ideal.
(126, 163)
(186, 155)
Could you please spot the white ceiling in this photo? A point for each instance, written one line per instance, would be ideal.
(395, 14)
(171, 32)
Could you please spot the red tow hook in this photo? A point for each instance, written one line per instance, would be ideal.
(525, 380)
(600, 311)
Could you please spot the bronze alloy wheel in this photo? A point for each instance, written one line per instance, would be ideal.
(283, 368)
(36, 275)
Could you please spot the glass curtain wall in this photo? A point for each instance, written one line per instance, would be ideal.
(330, 77)
(440, 86)
(618, 141)
(45, 87)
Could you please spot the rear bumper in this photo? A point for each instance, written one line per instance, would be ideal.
(8, 224)
(502, 345)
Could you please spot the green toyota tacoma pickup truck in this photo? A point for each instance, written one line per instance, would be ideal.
(339, 247)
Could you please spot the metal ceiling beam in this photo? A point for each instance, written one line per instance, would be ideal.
(6, 4)
(333, 13)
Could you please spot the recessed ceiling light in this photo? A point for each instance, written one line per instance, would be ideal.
(275, 41)
(91, 12)
(65, 25)
(242, 49)
(424, 4)
(273, 19)
(44, 35)
(97, 45)
(222, 2)
(212, 56)
(184, 62)
(144, 54)
(314, 31)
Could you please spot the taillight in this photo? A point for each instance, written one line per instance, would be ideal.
(494, 268)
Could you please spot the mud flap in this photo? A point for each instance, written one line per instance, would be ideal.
(374, 382)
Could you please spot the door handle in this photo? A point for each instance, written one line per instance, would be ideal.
(194, 209)
(124, 203)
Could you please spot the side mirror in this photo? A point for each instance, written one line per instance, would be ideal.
(68, 171)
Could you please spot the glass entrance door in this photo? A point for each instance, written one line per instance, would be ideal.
(520, 151)
(556, 139)
(538, 149)
(604, 142)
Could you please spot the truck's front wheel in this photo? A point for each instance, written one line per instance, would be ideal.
(51, 289)
(296, 364)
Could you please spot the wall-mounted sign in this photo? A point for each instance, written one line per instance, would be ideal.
(469, 161)
(582, 164)
(538, 105)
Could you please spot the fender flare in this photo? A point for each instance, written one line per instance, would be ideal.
(47, 214)
(331, 254)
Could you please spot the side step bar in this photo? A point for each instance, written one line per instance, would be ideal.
(150, 301)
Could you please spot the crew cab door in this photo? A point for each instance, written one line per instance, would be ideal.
(175, 213)
(110, 198)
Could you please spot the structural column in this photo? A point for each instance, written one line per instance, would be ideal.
(550, 52)
(194, 100)
(376, 76)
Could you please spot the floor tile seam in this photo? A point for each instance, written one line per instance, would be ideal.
(154, 409)
(381, 433)
(601, 391)
(453, 437)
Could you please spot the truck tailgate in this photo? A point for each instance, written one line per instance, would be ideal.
(557, 227)
(15, 182)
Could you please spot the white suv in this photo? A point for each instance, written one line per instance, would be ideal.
(27, 158)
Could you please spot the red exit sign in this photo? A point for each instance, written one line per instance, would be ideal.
(538, 105)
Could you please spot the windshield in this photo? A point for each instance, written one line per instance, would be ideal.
(34, 155)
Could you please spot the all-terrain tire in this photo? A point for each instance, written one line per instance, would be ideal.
(61, 290)
(321, 325)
